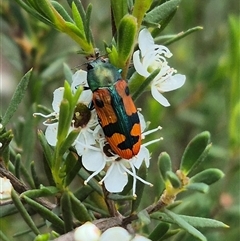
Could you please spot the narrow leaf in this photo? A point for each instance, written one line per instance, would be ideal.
(66, 208)
(199, 222)
(185, 225)
(22, 210)
(193, 152)
(17, 98)
(161, 12)
(77, 18)
(47, 150)
(173, 179)
(3, 237)
(140, 8)
(208, 176)
(45, 213)
(80, 211)
(119, 10)
(199, 187)
(127, 27)
(159, 231)
(164, 164)
(60, 9)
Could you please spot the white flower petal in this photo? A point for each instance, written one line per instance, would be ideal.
(51, 134)
(92, 160)
(57, 98)
(116, 234)
(5, 188)
(142, 121)
(145, 41)
(79, 78)
(116, 178)
(172, 83)
(159, 97)
(86, 97)
(142, 155)
(87, 232)
(140, 238)
(142, 70)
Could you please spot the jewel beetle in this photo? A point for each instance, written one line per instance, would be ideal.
(115, 108)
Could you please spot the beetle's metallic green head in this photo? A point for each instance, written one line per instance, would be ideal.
(101, 74)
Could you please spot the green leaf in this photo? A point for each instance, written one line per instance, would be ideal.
(34, 175)
(43, 237)
(64, 120)
(42, 192)
(142, 87)
(80, 211)
(27, 218)
(117, 197)
(3, 237)
(164, 164)
(157, 31)
(77, 18)
(45, 213)
(45, 8)
(17, 98)
(92, 183)
(83, 192)
(60, 9)
(208, 176)
(195, 151)
(47, 150)
(199, 222)
(140, 8)
(173, 179)
(181, 35)
(67, 73)
(67, 143)
(144, 217)
(88, 31)
(125, 45)
(73, 165)
(119, 10)
(184, 225)
(66, 208)
(199, 187)
(160, 13)
(159, 231)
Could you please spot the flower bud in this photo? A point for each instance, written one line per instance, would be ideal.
(87, 232)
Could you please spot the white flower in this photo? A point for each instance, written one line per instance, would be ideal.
(151, 57)
(140, 238)
(94, 159)
(120, 234)
(85, 122)
(87, 232)
(116, 234)
(5, 188)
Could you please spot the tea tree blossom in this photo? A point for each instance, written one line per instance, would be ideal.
(87, 232)
(5, 188)
(151, 57)
(94, 159)
(82, 116)
(91, 143)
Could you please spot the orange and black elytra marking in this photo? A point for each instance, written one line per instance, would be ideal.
(115, 109)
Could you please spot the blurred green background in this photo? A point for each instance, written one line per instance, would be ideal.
(209, 100)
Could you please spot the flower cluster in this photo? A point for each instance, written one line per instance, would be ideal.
(151, 57)
(89, 232)
(91, 143)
